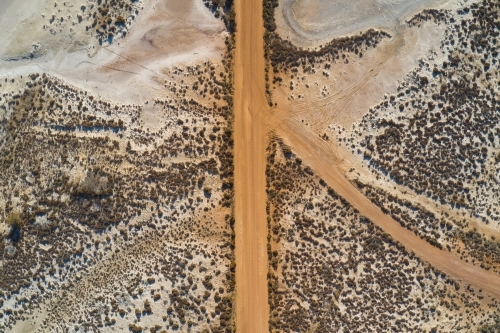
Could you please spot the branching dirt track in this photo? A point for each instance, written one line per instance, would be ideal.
(253, 118)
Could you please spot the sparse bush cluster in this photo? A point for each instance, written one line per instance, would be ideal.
(445, 232)
(268, 8)
(282, 55)
(111, 18)
(434, 15)
(14, 220)
(105, 20)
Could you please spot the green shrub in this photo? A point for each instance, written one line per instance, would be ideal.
(134, 328)
(120, 20)
(14, 220)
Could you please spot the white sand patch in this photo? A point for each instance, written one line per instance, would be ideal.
(310, 23)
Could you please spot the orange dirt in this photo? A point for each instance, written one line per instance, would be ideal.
(252, 309)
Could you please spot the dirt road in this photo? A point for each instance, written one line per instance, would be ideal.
(252, 310)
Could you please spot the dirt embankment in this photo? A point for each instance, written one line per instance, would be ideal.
(250, 182)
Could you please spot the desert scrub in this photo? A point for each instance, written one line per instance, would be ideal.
(89, 162)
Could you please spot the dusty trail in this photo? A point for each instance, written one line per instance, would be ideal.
(323, 159)
(252, 309)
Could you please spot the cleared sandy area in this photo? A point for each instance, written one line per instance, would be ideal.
(14, 14)
(309, 23)
(250, 164)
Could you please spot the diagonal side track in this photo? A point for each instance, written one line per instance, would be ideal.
(323, 160)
